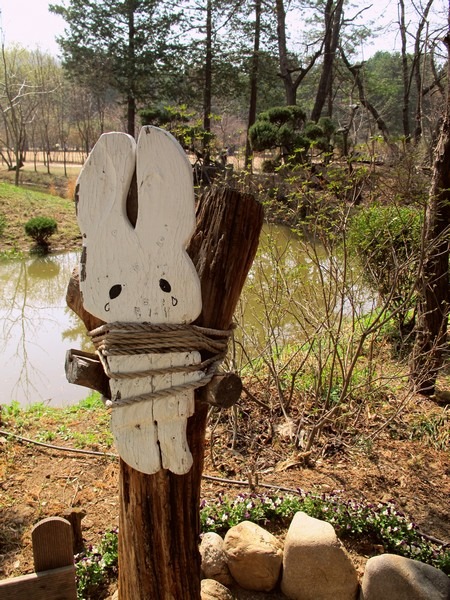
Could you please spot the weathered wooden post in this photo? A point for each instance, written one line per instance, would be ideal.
(136, 277)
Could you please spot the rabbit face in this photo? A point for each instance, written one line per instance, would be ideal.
(140, 273)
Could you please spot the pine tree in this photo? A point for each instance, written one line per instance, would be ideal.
(120, 44)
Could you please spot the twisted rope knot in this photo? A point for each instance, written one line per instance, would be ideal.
(124, 339)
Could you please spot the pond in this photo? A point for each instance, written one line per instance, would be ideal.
(37, 328)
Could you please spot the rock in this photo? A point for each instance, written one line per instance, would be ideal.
(213, 590)
(214, 561)
(391, 577)
(315, 564)
(254, 556)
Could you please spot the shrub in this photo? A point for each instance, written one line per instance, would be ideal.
(387, 241)
(40, 229)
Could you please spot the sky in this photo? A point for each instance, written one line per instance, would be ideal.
(30, 24)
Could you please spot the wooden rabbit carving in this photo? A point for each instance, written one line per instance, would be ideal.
(142, 274)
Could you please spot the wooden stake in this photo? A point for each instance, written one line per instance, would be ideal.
(159, 514)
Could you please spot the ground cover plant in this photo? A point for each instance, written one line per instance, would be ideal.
(381, 523)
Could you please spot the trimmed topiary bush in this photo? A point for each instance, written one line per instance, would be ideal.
(40, 229)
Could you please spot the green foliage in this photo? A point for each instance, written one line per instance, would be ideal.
(118, 45)
(2, 224)
(387, 241)
(285, 128)
(182, 124)
(96, 565)
(40, 229)
(383, 77)
(382, 523)
(61, 425)
(263, 135)
(92, 402)
(434, 429)
(281, 115)
(164, 115)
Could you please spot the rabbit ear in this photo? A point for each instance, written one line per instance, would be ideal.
(165, 188)
(102, 190)
(104, 181)
(166, 220)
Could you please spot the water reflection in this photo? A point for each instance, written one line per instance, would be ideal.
(37, 328)
(295, 293)
(284, 300)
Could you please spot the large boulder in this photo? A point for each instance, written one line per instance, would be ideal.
(315, 564)
(391, 577)
(214, 561)
(254, 556)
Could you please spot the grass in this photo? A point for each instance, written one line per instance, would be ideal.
(55, 181)
(85, 424)
(18, 205)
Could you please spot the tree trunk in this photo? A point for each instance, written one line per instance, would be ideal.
(419, 64)
(159, 514)
(433, 294)
(333, 19)
(285, 71)
(131, 97)
(253, 84)
(291, 83)
(207, 91)
(405, 74)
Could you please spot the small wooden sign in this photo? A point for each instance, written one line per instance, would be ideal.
(54, 578)
(141, 273)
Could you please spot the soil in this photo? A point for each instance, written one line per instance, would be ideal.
(38, 482)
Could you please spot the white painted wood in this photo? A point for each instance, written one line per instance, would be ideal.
(142, 274)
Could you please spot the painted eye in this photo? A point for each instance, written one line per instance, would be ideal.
(115, 291)
(165, 285)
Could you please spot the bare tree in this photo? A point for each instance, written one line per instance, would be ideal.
(433, 293)
(19, 99)
(355, 71)
(291, 74)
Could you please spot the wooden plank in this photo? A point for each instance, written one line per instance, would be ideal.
(85, 368)
(52, 544)
(57, 584)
